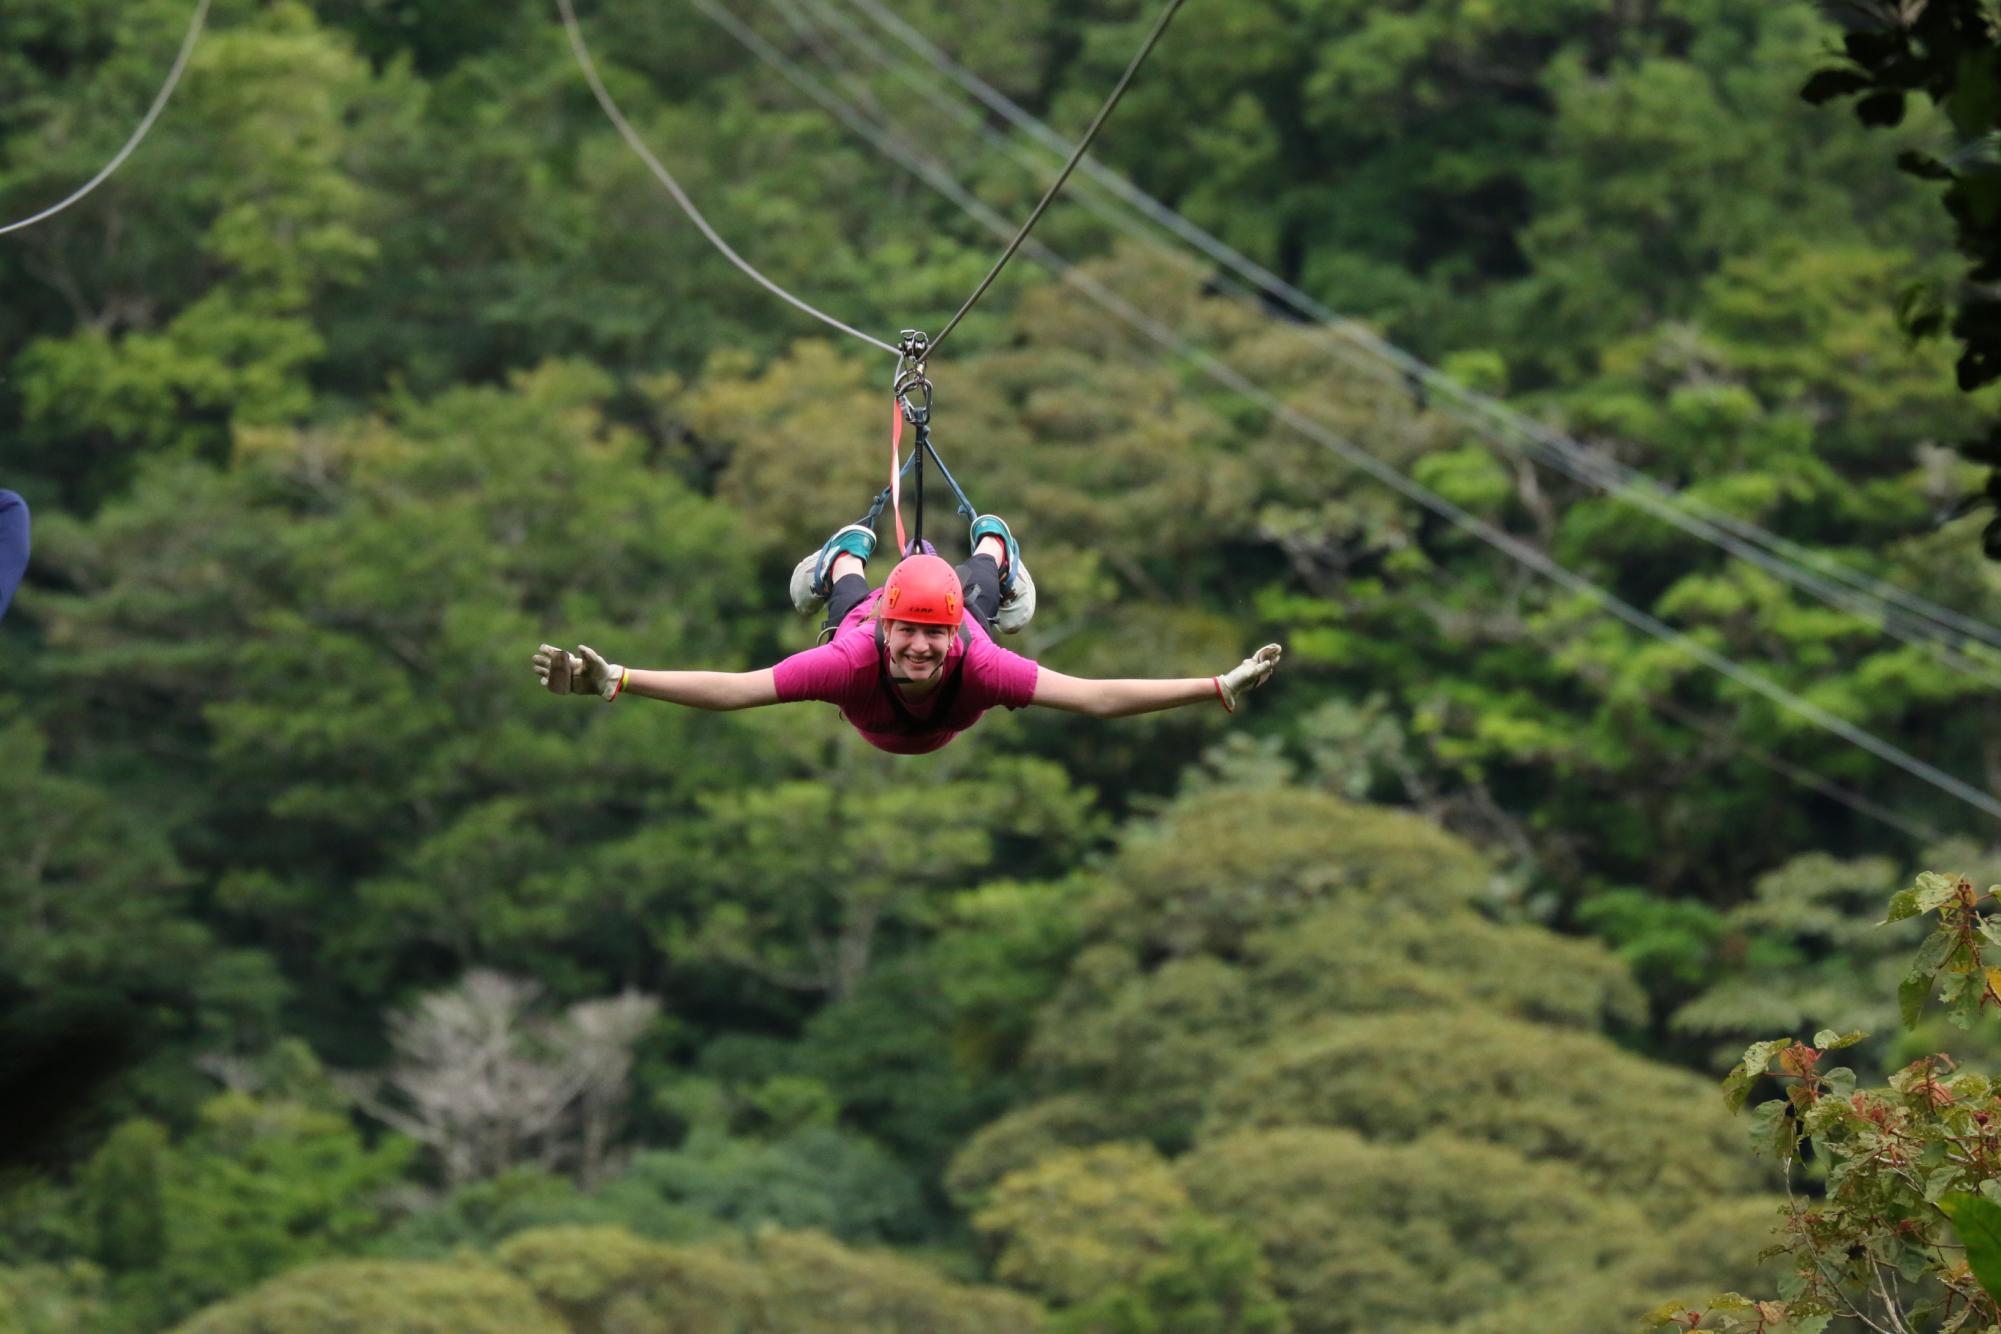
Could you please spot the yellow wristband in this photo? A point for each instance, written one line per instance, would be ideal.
(624, 675)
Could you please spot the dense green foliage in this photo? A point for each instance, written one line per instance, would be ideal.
(1950, 52)
(1906, 1230)
(378, 987)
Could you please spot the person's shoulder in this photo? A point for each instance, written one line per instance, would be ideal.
(853, 644)
(834, 671)
(1006, 676)
(984, 648)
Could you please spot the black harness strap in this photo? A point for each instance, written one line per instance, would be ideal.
(908, 723)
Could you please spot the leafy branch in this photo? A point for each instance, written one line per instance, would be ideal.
(1899, 1228)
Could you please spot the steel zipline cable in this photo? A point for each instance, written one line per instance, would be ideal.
(146, 123)
(1228, 376)
(1906, 612)
(666, 178)
(1938, 637)
(1132, 67)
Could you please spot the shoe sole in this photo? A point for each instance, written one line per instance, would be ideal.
(1018, 608)
(804, 600)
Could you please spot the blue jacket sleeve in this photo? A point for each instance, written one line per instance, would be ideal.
(13, 545)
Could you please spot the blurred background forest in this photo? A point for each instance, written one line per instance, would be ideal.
(344, 972)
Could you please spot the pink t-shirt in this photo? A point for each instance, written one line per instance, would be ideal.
(847, 671)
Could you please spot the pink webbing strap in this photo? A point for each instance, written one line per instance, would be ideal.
(896, 470)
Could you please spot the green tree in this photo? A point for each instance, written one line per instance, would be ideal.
(1573, 1098)
(85, 880)
(602, 1278)
(110, 975)
(259, 1188)
(1434, 1235)
(1242, 915)
(1110, 1238)
(873, 849)
(1807, 951)
(1083, 1220)
(125, 1197)
(259, 1184)
(1350, 1009)
(50, 1299)
(1021, 1138)
(813, 1178)
(1950, 52)
(481, 1215)
(397, 1297)
(1897, 1169)
(1611, 247)
(255, 148)
(336, 752)
(1211, 1279)
(1214, 871)
(905, 1058)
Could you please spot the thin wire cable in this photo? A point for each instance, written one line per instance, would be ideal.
(1576, 463)
(146, 123)
(666, 178)
(1132, 67)
(1433, 379)
(1918, 832)
(1684, 510)
(1231, 378)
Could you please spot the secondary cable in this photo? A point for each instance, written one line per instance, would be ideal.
(1690, 513)
(666, 178)
(1231, 378)
(1546, 447)
(687, 205)
(145, 124)
(1132, 67)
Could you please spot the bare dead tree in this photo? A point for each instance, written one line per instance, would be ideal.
(486, 1084)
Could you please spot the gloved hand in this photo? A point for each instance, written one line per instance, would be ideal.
(1247, 675)
(568, 674)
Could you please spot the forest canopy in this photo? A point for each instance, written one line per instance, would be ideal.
(349, 977)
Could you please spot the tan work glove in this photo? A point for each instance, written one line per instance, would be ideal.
(1247, 675)
(568, 674)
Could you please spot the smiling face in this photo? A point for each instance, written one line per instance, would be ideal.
(916, 652)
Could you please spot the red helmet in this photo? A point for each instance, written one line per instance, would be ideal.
(923, 589)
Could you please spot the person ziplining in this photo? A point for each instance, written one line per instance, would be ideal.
(915, 663)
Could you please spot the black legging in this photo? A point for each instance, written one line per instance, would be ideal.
(979, 576)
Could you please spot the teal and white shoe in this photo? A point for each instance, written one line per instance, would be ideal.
(810, 584)
(1017, 604)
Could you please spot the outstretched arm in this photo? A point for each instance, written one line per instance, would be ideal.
(1123, 698)
(586, 673)
(721, 691)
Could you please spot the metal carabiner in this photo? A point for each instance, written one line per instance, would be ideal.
(914, 383)
(911, 350)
